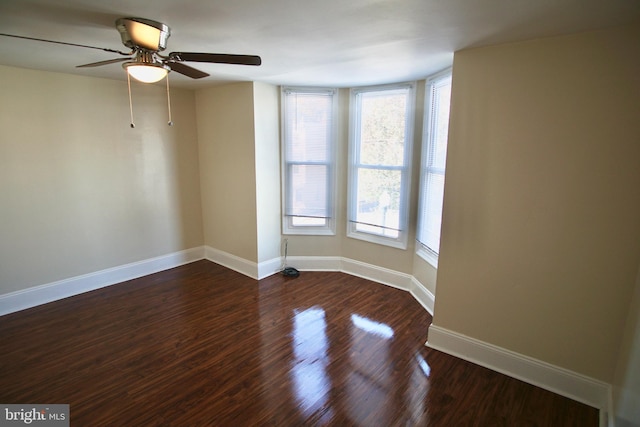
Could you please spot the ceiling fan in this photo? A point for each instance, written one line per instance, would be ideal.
(146, 39)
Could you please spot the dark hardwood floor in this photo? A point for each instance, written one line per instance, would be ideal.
(201, 345)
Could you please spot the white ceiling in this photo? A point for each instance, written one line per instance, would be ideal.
(302, 42)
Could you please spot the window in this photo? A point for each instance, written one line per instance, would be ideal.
(381, 136)
(434, 155)
(308, 160)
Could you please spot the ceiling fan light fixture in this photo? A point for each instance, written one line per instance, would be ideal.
(144, 33)
(146, 73)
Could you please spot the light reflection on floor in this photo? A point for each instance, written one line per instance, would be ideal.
(426, 369)
(310, 381)
(380, 329)
(371, 374)
(417, 391)
(369, 379)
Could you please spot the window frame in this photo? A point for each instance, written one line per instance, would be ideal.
(329, 228)
(425, 252)
(399, 242)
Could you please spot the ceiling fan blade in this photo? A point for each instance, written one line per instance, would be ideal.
(99, 63)
(186, 70)
(66, 43)
(217, 58)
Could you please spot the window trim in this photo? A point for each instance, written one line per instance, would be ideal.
(288, 228)
(399, 242)
(422, 250)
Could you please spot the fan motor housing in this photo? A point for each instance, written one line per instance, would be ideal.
(143, 33)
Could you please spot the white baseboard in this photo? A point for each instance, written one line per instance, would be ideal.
(248, 268)
(37, 295)
(241, 265)
(422, 295)
(372, 272)
(268, 268)
(544, 375)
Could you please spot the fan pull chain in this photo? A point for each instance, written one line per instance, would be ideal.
(130, 103)
(169, 101)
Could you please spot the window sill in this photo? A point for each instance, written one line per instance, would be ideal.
(379, 240)
(309, 231)
(428, 257)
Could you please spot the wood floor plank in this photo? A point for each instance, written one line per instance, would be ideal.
(201, 345)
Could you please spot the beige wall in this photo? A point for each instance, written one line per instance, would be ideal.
(267, 147)
(541, 239)
(238, 136)
(80, 191)
(226, 139)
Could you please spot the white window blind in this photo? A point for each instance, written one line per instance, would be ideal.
(381, 138)
(434, 156)
(308, 166)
